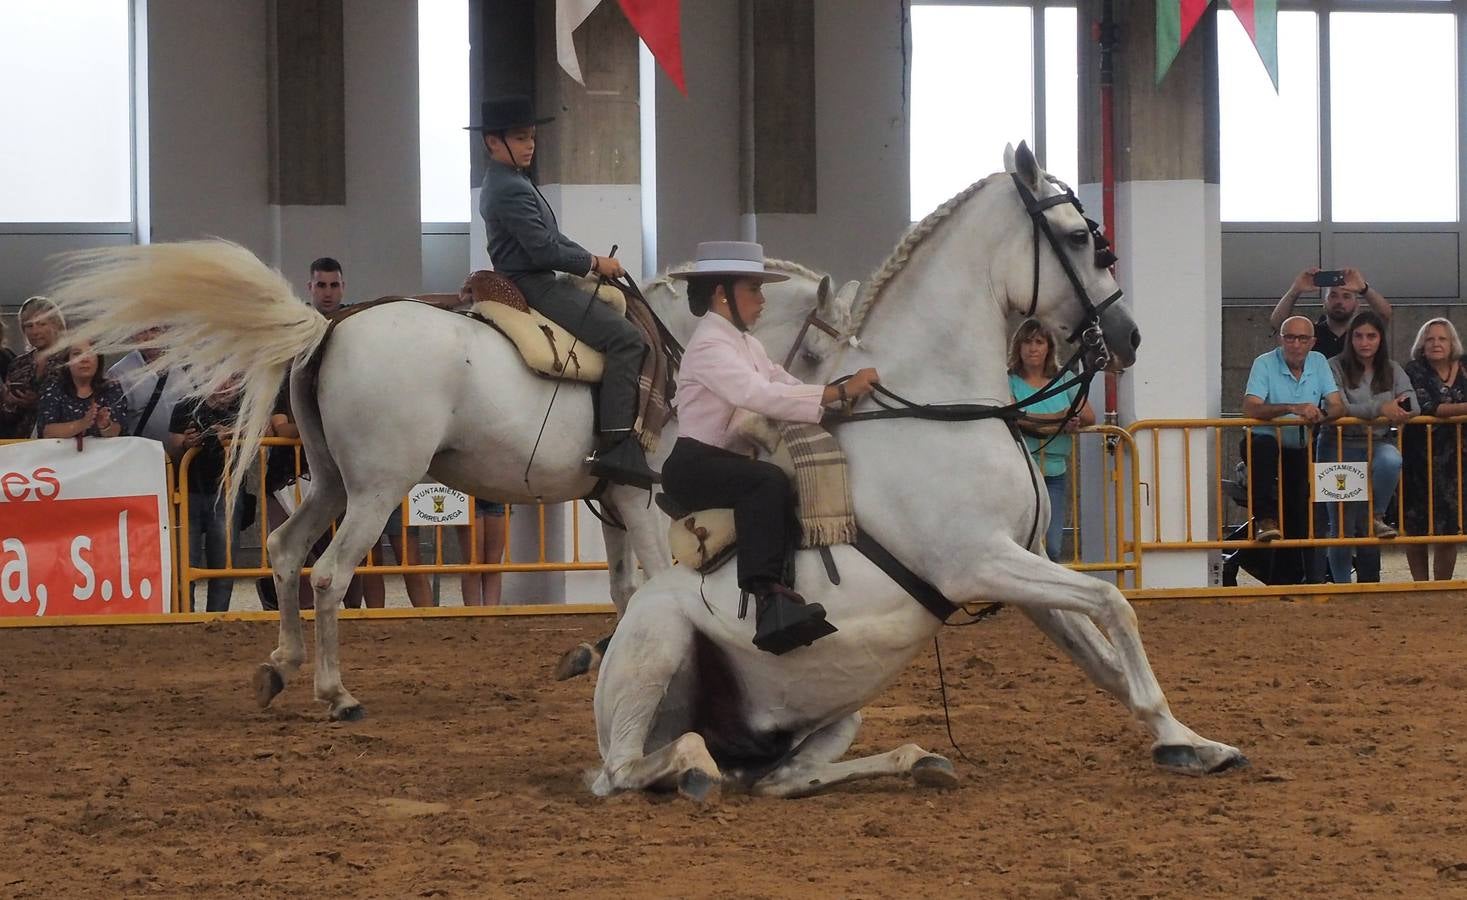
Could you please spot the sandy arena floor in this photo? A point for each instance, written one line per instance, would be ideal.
(135, 764)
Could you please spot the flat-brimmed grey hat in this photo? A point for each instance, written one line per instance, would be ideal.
(737, 259)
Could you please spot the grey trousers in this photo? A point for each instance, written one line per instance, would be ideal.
(597, 325)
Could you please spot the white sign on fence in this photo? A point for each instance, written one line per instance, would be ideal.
(433, 504)
(1336, 482)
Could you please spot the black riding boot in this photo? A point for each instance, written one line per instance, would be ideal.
(784, 621)
(620, 460)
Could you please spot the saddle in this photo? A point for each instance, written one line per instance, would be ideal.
(545, 347)
(705, 539)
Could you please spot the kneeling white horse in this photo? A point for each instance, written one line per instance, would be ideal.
(684, 700)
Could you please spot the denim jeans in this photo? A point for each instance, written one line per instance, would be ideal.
(208, 538)
(1059, 508)
(1385, 472)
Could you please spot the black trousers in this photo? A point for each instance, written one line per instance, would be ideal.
(597, 325)
(700, 476)
(1296, 488)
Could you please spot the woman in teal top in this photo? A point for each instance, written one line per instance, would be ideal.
(1031, 366)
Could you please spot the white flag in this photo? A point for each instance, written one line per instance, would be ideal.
(569, 14)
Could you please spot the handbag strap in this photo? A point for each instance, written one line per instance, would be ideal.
(151, 404)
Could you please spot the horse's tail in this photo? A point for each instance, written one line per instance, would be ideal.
(224, 315)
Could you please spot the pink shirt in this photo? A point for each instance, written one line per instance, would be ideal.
(724, 370)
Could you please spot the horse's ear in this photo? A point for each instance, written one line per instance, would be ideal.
(822, 292)
(1008, 158)
(1027, 166)
(845, 298)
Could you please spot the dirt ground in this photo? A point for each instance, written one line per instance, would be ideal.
(135, 764)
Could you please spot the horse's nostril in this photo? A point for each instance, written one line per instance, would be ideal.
(1135, 338)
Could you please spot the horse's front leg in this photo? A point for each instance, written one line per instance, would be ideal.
(621, 569)
(1041, 588)
(814, 765)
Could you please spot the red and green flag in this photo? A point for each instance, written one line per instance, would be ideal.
(1175, 20)
(1260, 19)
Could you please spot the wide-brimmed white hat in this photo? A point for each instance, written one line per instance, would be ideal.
(739, 259)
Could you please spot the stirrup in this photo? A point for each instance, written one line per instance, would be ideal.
(786, 622)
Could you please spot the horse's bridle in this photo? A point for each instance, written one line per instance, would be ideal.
(813, 320)
(1089, 333)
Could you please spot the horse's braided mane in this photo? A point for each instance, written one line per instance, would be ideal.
(897, 261)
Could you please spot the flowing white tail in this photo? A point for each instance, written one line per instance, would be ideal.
(228, 315)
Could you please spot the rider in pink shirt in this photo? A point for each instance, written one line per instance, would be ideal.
(725, 369)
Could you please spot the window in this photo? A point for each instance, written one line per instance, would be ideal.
(1062, 95)
(67, 110)
(443, 110)
(1269, 143)
(1393, 116)
(961, 120)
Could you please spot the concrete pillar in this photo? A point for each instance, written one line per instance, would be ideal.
(1168, 235)
(588, 166)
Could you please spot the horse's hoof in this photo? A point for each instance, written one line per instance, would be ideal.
(267, 683)
(1184, 759)
(354, 713)
(934, 771)
(698, 786)
(578, 661)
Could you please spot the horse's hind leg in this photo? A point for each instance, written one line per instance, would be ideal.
(360, 529)
(812, 767)
(1010, 574)
(287, 547)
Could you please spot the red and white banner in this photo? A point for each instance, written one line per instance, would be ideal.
(84, 532)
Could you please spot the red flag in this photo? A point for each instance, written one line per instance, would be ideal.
(659, 24)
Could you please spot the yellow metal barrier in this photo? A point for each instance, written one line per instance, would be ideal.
(191, 573)
(1118, 494)
(1170, 477)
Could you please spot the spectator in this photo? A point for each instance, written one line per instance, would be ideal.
(1340, 304)
(205, 423)
(327, 286)
(1032, 366)
(1289, 384)
(1435, 370)
(42, 325)
(7, 356)
(419, 588)
(150, 396)
(1372, 387)
(80, 400)
(483, 588)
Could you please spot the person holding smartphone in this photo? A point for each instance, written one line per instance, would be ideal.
(1343, 291)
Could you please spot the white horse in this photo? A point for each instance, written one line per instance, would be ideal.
(685, 700)
(399, 390)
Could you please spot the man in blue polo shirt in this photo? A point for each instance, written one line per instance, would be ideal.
(1293, 384)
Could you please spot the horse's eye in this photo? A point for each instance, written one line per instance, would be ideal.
(1079, 237)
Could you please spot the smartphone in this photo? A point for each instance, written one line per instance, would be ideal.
(1329, 278)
